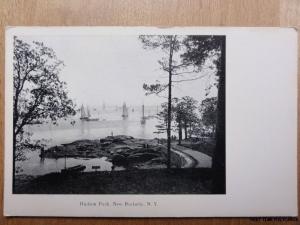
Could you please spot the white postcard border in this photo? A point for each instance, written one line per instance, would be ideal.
(261, 173)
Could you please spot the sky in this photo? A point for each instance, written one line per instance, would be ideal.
(112, 70)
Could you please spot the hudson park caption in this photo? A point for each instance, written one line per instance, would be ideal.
(118, 204)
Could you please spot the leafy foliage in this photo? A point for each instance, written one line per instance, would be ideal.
(163, 116)
(208, 111)
(199, 48)
(154, 88)
(183, 116)
(164, 42)
(39, 94)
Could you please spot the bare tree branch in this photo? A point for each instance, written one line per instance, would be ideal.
(196, 78)
(183, 73)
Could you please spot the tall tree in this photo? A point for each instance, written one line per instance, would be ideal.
(39, 94)
(169, 44)
(172, 46)
(198, 49)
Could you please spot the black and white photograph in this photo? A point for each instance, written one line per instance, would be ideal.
(119, 114)
(150, 121)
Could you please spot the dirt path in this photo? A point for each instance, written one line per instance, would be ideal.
(194, 159)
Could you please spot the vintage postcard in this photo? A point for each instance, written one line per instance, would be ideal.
(150, 122)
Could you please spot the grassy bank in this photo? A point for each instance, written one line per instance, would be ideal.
(152, 181)
(205, 146)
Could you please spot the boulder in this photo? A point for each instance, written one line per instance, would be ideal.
(119, 160)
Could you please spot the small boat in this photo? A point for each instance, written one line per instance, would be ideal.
(125, 111)
(92, 119)
(74, 169)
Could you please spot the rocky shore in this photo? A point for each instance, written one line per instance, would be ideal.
(144, 161)
(121, 150)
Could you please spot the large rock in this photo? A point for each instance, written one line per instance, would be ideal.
(119, 160)
(121, 150)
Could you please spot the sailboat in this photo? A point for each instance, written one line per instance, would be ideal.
(143, 119)
(86, 115)
(125, 111)
(83, 113)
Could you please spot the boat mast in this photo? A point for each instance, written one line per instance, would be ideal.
(143, 120)
(143, 109)
(125, 110)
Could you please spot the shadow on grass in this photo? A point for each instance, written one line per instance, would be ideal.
(150, 181)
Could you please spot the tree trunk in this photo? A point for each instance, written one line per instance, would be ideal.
(219, 182)
(169, 105)
(185, 130)
(179, 131)
(190, 134)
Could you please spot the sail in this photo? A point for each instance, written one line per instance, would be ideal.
(88, 112)
(83, 114)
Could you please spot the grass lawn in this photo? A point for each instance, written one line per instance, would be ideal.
(150, 181)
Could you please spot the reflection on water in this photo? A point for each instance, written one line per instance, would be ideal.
(37, 166)
(110, 122)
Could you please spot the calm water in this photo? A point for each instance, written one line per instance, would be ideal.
(110, 122)
(37, 166)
